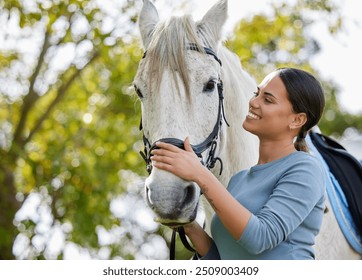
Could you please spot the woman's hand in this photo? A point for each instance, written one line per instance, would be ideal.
(199, 238)
(182, 163)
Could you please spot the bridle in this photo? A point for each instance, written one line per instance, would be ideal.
(209, 143)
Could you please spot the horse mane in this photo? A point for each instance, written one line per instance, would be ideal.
(167, 49)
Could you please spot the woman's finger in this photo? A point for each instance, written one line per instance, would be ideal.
(187, 145)
(167, 146)
(164, 152)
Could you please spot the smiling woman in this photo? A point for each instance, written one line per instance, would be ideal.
(274, 209)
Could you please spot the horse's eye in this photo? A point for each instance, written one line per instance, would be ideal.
(138, 91)
(210, 86)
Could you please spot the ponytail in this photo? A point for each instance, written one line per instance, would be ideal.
(300, 144)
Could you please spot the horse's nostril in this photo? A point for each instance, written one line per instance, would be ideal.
(148, 195)
(189, 195)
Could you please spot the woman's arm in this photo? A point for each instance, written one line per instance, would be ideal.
(185, 164)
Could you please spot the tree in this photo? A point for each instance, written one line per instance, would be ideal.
(63, 125)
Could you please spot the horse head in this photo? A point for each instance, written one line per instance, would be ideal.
(180, 84)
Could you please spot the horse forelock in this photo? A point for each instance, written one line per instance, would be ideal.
(168, 47)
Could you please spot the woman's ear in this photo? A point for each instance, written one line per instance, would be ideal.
(298, 121)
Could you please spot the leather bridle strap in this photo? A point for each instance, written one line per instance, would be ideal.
(181, 232)
(194, 47)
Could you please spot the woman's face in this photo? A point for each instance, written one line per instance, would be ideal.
(270, 112)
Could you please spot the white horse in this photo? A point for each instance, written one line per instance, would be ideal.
(179, 81)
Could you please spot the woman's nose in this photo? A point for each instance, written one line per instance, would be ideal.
(254, 103)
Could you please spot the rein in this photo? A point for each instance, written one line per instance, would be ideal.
(181, 232)
(209, 143)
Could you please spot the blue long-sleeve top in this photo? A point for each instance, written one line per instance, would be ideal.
(286, 198)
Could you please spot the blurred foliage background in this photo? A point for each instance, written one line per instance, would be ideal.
(70, 174)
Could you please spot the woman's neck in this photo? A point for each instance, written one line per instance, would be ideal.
(273, 150)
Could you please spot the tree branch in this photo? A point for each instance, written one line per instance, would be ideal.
(60, 95)
(32, 96)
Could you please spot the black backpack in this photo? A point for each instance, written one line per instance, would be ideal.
(346, 169)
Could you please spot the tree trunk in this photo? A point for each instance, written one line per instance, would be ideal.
(8, 208)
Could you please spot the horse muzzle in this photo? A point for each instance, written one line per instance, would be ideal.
(174, 202)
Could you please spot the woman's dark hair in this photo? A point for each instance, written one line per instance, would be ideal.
(306, 95)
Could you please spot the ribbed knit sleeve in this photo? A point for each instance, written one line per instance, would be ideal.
(295, 195)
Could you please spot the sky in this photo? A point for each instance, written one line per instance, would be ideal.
(340, 58)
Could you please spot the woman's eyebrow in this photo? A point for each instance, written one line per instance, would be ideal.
(267, 93)
(270, 94)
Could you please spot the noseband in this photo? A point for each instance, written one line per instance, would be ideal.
(209, 143)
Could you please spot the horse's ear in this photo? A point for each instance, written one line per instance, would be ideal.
(148, 18)
(214, 19)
